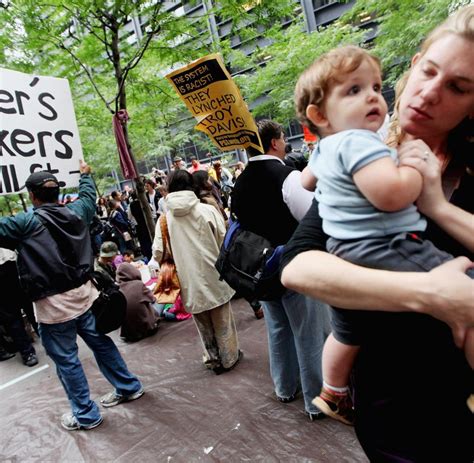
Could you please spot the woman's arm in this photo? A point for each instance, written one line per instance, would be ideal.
(432, 202)
(445, 293)
(455, 221)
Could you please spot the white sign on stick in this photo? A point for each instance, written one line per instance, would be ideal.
(38, 130)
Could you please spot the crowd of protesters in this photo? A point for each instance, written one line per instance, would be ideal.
(415, 343)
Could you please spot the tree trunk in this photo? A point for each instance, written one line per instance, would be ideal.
(121, 103)
(140, 189)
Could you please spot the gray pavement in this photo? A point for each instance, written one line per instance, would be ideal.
(187, 414)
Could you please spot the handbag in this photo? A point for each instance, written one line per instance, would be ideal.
(109, 308)
(167, 287)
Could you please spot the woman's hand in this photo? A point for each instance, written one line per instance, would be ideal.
(455, 221)
(454, 303)
(417, 154)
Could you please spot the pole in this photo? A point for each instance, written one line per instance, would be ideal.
(95, 185)
(23, 203)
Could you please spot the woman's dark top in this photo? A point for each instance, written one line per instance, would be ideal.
(411, 382)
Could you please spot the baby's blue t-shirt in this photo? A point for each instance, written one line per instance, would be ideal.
(346, 213)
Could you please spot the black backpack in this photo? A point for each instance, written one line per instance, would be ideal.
(110, 308)
(250, 264)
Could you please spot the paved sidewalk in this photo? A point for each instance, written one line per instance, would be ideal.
(187, 414)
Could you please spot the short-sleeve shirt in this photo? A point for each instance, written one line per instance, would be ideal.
(345, 211)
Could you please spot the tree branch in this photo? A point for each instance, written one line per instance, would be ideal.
(89, 75)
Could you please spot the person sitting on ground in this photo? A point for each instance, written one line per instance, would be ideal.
(141, 320)
(104, 268)
(129, 258)
(173, 312)
(371, 219)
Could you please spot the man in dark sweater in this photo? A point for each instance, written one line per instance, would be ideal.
(268, 199)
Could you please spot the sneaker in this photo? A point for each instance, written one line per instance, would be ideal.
(30, 360)
(70, 423)
(112, 398)
(337, 406)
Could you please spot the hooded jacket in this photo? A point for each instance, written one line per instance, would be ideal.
(196, 233)
(140, 319)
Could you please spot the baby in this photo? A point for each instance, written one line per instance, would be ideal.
(365, 200)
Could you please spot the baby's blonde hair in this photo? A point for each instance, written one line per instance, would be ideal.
(315, 82)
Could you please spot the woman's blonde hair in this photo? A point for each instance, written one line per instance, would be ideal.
(461, 23)
(330, 68)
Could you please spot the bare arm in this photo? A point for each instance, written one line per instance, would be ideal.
(388, 187)
(455, 221)
(432, 202)
(445, 293)
(308, 180)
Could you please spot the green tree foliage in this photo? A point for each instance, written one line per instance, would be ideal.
(292, 51)
(401, 26)
(80, 39)
(87, 41)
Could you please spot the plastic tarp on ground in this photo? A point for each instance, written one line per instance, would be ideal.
(187, 414)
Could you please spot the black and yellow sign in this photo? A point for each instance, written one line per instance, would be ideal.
(214, 99)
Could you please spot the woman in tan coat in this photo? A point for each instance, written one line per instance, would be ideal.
(196, 233)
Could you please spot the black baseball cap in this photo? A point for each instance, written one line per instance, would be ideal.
(38, 179)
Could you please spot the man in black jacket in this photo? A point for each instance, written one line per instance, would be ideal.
(268, 199)
(54, 265)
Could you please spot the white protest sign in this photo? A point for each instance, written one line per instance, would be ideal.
(38, 130)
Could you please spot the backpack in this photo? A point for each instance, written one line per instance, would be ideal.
(250, 264)
(110, 307)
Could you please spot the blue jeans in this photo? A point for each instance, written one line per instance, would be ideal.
(297, 327)
(59, 340)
